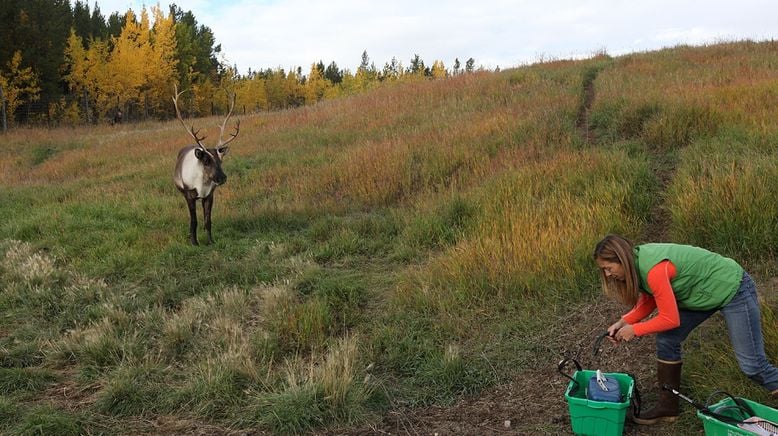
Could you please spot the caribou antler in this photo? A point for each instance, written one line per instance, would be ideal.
(190, 129)
(237, 124)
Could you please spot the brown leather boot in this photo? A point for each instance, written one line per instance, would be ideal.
(667, 410)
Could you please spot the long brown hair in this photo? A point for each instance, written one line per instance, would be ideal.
(615, 248)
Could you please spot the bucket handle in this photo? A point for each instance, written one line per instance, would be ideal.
(636, 400)
(704, 409)
(560, 368)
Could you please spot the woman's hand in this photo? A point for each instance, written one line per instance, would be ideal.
(616, 326)
(625, 333)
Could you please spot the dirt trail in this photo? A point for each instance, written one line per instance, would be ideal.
(656, 229)
(582, 118)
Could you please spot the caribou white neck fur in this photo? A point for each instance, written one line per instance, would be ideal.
(192, 175)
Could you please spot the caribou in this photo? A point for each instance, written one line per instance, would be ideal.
(199, 169)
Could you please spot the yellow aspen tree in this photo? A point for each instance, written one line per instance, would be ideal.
(332, 92)
(275, 89)
(315, 86)
(257, 95)
(439, 70)
(227, 83)
(362, 81)
(250, 95)
(161, 71)
(19, 85)
(350, 84)
(74, 71)
(295, 94)
(205, 93)
(98, 83)
(75, 66)
(127, 64)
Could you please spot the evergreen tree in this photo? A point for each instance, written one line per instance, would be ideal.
(333, 73)
(366, 73)
(98, 26)
(38, 29)
(115, 24)
(470, 65)
(185, 48)
(417, 66)
(82, 21)
(365, 64)
(195, 50)
(392, 70)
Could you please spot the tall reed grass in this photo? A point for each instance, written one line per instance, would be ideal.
(537, 227)
(724, 197)
(717, 113)
(675, 96)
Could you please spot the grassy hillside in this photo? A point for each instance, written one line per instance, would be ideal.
(394, 249)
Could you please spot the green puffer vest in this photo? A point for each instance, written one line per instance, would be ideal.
(704, 280)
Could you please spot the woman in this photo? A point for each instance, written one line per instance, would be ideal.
(686, 285)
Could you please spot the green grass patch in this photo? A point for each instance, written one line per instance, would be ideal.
(133, 390)
(292, 411)
(14, 380)
(47, 420)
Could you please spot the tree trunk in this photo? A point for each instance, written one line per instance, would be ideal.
(86, 108)
(2, 109)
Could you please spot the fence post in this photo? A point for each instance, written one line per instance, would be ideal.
(2, 109)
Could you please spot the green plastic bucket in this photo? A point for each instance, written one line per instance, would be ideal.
(715, 427)
(598, 418)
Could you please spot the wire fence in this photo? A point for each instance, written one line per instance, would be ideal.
(74, 110)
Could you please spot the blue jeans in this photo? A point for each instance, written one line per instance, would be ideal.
(745, 334)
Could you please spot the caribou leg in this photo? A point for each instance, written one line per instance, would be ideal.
(191, 203)
(207, 205)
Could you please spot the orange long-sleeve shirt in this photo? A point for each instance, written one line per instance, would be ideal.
(663, 299)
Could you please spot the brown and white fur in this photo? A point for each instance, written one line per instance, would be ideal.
(199, 171)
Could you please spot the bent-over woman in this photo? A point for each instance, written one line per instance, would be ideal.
(686, 285)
